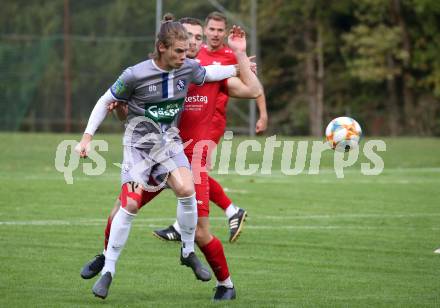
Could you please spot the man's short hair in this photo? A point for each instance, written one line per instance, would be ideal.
(191, 21)
(216, 16)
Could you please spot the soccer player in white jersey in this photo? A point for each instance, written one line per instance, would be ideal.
(154, 91)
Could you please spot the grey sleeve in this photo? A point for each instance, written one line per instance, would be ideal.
(124, 85)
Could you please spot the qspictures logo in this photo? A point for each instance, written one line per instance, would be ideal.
(297, 157)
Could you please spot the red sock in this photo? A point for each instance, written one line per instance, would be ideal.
(215, 256)
(217, 194)
(107, 232)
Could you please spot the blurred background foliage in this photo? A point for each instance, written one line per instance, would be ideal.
(375, 60)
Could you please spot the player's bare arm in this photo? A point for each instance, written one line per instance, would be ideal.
(247, 86)
(261, 124)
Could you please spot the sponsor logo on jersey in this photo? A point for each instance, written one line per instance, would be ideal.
(159, 112)
(180, 85)
(119, 88)
(216, 63)
(196, 99)
(164, 112)
(152, 88)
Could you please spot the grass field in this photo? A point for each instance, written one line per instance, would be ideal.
(310, 240)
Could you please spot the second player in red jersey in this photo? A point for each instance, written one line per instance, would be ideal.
(223, 56)
(194, 128)
(215, 51)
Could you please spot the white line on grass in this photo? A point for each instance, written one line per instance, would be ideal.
(339, 216)
(252, 227)
(98, 222)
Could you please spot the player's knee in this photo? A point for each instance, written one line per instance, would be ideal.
(184, 191)
(131, 206)
(129, 198)
(201, 232)
(203, 236)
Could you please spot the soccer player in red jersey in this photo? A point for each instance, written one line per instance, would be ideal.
(215, 51)
(198, 111)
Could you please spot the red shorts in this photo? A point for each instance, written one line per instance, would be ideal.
(216, 133)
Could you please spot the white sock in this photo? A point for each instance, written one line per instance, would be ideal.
(226, 283)
(231, 210)
(177, 227)
(187, 220)
(121, 225)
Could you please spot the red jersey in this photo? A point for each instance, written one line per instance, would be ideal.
(199, 108)
(223, 56)
(195, 123)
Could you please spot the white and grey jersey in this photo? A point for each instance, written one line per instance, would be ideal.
(155, 95)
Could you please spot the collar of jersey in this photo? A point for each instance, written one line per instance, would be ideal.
(158, 68)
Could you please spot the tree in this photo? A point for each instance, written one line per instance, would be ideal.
(373, 53)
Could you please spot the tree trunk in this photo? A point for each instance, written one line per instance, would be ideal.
(311, 79)
(391, 103)
(319, 83)
(408, 93)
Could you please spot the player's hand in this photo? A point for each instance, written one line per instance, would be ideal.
(83, 147)
(237, 39)
(254, 67)
(253, 64)
(112, 106)
(120, 109)
(261, 125)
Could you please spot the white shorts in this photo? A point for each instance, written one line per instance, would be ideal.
(139, 164)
